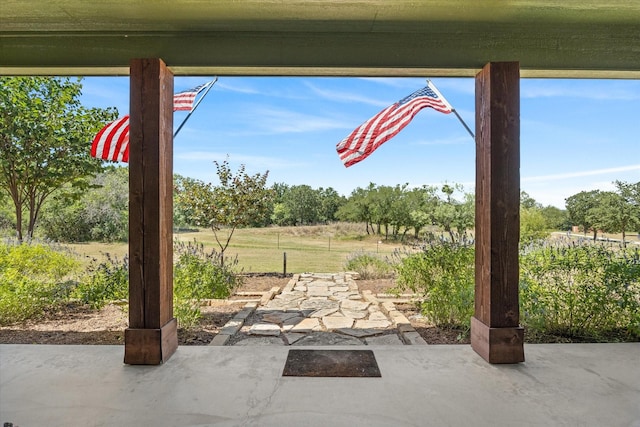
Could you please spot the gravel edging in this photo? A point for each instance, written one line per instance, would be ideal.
(407, 333)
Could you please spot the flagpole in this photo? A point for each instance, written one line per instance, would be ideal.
(463, 123)
(433, 87)
(195, 106)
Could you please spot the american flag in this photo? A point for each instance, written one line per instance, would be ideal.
(370, 135)
(183, 101)
(112, 142)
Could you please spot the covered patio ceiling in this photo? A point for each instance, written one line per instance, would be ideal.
(550, 38)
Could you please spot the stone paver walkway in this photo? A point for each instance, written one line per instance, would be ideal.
(319, 309)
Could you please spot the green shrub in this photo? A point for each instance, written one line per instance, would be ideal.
(533, 225)
(586, 292)
(442, 273)
(369, 265)
(108, 281)
(7, 225)
(199, 275)
(65, 222)
(98, 214)
(33, 278)
(7, 216)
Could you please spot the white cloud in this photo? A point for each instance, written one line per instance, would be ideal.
(259, 87)
(234, 87)
(341, 96)
(266, 120)
(555, 188)
(599, 90)
(569, 175)
(460, 85)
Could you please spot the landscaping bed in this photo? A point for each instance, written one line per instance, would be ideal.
(77, 324)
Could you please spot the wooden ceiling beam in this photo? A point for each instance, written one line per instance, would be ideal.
(440, 50)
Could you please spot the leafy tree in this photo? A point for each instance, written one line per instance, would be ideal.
(277, 211)
(302, 204)
(194, 201)
(465, 213)
(555, 218)
(580, 208)
(528, 202)
(536, 220)
(45, 136)
(101, 213)
(280, 215)
(358, 207)
(630, 192)
(239, 200)
(444, 215)
(421, 204)
(107, 206)
(615, 214)
(400, 211)
(330, 202)
(382, 203)
(533, 225)
(182, 215)
(279, 190)
(451, 214)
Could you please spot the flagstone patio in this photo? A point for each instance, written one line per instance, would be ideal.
(319, 309)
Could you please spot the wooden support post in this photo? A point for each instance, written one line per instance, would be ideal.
(495, 331)
(152, 334)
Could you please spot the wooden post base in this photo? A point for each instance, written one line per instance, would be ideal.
(497, 345)
(150, 346)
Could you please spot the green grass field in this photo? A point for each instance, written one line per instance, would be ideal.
(319, 248)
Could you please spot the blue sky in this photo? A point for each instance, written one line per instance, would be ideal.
(575, 134)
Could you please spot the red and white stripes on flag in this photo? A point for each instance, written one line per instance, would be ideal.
(183, 101)
(112, 142)
(370, 135)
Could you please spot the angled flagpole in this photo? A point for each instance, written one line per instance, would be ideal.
(433, 87)
(196, 106)
(464, 124)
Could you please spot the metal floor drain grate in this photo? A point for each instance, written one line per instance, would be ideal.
(331, 363)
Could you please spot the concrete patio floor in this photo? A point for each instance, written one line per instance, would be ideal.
(558, 385)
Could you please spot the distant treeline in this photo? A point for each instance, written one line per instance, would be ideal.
(100, 212)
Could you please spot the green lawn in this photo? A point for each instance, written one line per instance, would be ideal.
(307, 248)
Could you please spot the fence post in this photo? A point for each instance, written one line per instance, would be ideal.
(284, 264)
